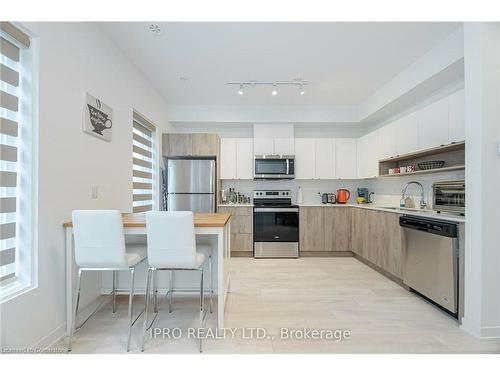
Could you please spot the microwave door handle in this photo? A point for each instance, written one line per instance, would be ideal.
(287, 166)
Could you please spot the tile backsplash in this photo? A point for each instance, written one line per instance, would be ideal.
(387, 190)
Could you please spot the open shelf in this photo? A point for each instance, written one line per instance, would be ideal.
(426, 171)
(456, 146)
(452, 154)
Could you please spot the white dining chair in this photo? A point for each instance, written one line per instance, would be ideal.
(172, 246)
(100, 246)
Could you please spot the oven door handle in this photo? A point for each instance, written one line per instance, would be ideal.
(276, 209)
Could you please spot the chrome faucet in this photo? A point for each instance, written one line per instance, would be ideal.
(422, 197)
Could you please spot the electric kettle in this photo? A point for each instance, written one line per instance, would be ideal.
(343, 196)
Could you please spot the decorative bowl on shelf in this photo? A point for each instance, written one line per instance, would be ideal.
(431, 164)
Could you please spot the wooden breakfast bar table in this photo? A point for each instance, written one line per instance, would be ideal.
(216, 225)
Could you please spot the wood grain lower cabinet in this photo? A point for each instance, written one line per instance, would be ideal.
(241, 228)
(337, 228)
(391, 256)
(377, 237)
(311, 229)
(357, 230)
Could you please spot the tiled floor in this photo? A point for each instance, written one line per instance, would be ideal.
(315, 293)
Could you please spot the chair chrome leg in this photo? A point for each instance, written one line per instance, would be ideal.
(171, 291)
(78, 288)
(130, 299)
(146, 305)
(155, 288)
(114, 291)
(211, 285)
(202, 295)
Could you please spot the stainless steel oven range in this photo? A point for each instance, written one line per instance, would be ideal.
(275, 224)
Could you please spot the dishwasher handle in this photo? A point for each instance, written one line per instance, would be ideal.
(440, 228)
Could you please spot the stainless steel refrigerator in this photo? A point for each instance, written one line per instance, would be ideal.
(189, 184)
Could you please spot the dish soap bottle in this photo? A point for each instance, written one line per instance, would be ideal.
(299, 196)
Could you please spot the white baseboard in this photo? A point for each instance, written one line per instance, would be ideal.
(490, 332)
(60, 332)
(52, 338)
(106, 291)
(481, 332)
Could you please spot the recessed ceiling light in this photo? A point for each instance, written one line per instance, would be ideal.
(155, 29)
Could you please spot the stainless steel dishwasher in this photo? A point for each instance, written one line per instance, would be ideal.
(431, 260)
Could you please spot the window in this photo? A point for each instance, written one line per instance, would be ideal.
(144, 161)
(17, 164)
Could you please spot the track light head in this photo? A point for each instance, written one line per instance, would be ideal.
(240, 91)
(274, 92)
(301, 90)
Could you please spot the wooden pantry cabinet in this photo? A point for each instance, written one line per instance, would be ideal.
(241, 229)
(324, 229)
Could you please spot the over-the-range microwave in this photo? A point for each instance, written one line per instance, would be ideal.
(274, 167)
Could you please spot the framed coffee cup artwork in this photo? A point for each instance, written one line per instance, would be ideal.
(98, 118)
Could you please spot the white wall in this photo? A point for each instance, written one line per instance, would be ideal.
(75, 59)
(245, 130)
(482, 232)
(436, 60)
(263, 113)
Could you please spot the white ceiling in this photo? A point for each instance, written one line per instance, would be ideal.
(344, 63)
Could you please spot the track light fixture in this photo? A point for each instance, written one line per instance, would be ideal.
(298, 83)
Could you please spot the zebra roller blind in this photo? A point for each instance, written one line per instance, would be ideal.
(143, 149)
(11, 42)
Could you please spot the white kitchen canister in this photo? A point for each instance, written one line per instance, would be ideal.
(299, 196)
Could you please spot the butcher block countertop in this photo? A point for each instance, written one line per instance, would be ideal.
(201, 220)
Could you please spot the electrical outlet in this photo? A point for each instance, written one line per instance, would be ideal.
(94, 192)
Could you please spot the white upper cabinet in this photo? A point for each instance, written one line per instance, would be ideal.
(325, 158)
(406, 134)
(346, 158)
(284, 146)
(273, 146)
(236, 158)
(386, 141)
(273, 139)
(457, 117)
(367, 149)
(228, 158)
(433, 125)
(244, 158)
(305, 158)
(263, 146)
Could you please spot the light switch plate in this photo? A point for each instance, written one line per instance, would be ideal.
(94, 192)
